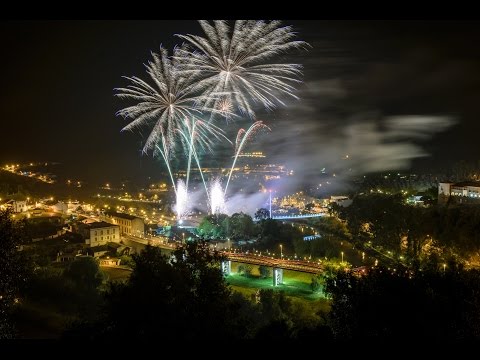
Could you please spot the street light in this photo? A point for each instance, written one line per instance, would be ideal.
(342, 257)
(183, 236)
(281, 251)
(444, 266)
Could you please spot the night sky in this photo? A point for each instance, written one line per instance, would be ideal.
(410, 88)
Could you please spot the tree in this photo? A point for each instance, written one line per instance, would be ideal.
(242, 226)
(385, 305)
(126, 260)
(85, 278)
(248, 270)
(211, 226)
(85, 273)
(245, 270)
(14, 270)
(273, 233)
(383, 219)
(314, 284)
(261, 214)
(264, 271)
(275, 305)
(180, 296)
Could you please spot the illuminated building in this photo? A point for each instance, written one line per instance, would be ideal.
(16, 205)
(256, 154)
(100, 233)
(461, 192)
(129, 224)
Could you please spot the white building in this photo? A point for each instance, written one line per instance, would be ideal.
(444, 188)
(17, 206)
(462, 190)
(101, 233)
(129, 224)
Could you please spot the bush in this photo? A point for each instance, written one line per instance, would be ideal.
(264, 271)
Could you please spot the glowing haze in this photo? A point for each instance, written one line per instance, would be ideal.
(182, 204)
(217, 198)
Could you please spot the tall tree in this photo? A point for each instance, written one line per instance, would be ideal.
(14, 270)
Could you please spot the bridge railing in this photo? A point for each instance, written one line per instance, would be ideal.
(301, 216)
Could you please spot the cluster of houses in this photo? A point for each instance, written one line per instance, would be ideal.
(102, 239)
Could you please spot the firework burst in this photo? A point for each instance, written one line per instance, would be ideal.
(225, 108)
(164, 106)
(236, 63)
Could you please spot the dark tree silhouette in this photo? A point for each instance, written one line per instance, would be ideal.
(387, 305)
(14, 270)
(261, 214)
(183, 296)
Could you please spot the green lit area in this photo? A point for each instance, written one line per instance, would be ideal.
(295, 284)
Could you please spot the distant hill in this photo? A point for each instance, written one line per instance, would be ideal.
(17, 186)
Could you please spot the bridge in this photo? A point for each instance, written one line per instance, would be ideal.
(278, 265)
(312, 267)
(302, 216)
(311, 237)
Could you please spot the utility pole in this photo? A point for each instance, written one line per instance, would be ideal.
(270, 203)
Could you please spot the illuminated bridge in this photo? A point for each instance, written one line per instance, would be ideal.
(278, 265)
(296, 265)
(303, 216)
(311, 237)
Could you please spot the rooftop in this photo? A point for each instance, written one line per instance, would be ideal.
(467, 183)
(121, 215)
(100, 224)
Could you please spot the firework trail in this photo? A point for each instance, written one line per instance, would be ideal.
(217, 198)
(242, 137)
(163, 151)
(236, 63)
(198, 134)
